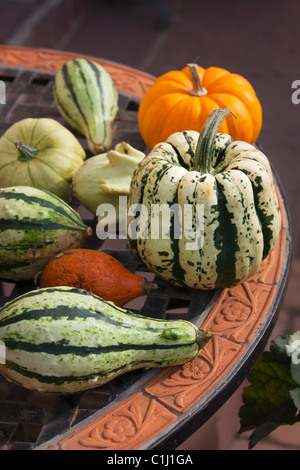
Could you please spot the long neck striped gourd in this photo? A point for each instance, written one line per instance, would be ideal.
(35, 226)
(67, 340)
(218, 204)
(86, 97)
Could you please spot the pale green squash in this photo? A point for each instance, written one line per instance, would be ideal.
(40, 153)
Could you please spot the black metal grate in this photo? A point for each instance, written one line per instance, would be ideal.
(28, 418)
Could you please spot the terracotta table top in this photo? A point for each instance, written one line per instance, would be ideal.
(164, 407)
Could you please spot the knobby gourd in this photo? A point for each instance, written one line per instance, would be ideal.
(97, 272)
(182, 100)
(67, 340)
(238, 222)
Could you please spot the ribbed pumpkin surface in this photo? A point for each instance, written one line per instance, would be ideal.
(170, 106)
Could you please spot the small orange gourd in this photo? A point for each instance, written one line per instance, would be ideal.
(183, 100)
(97, 272)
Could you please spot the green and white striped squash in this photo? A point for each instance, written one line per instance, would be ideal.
(87, 99)
(40, 153)
(35, 226)
(233, 182)
(67, 340)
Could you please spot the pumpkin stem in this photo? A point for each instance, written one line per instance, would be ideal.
(202, 337)
(197, 89)
(148, 285)
(89, 232)
(204, 149)
(27, 152)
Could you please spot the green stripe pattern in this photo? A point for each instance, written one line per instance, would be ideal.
(87, 99)
(67, 340)
(35, 226)
(241, 216)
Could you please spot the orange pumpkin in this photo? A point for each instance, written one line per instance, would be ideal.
(182, 100)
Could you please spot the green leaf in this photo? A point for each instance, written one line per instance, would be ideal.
(270, 385)
(295, 372)
(295, 394)
(262, 431)
(267, 401)
(278, 349)
(284, 414)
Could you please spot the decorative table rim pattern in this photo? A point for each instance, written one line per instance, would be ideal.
(131, 81)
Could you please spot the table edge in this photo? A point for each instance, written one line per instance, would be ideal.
(132, 81)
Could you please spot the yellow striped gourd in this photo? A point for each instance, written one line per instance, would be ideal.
(87, 98)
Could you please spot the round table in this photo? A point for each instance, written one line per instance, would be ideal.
(157, 408)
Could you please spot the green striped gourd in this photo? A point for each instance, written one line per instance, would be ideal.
(229, 183)
(67, 340)
(87, 99)
(35, 226)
